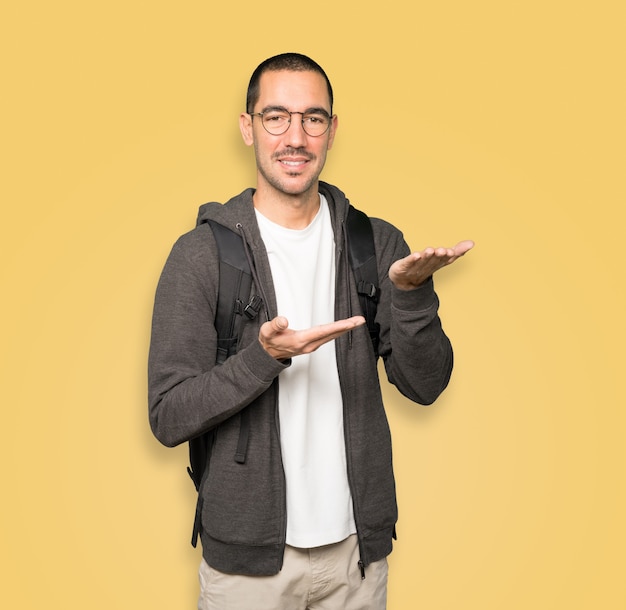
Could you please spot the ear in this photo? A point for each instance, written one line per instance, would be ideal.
(334, 123)
(245, 125)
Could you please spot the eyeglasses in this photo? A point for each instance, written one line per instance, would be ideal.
(276, 122)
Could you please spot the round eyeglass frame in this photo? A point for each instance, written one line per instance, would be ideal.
(302, 114)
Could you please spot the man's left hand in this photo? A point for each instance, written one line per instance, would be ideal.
(410, 272)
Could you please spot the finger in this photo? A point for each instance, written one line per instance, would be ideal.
(458, 250)
(463, 246)
(355, 321)
(312, 345)
(339, 326)
(407, 261)
(327, 332)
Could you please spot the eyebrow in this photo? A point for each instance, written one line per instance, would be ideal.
(313, 110)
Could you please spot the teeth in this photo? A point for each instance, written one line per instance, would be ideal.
(293, 162)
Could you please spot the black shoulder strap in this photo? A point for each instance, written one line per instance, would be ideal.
(234, 290)
(233, 303)
(363, 262)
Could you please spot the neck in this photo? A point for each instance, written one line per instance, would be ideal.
(289, 211)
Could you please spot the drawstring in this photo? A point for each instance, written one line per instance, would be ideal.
(255, 277)
(244, 433)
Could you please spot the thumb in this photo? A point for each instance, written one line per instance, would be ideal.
(280, 323)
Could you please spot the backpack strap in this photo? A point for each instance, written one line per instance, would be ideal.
(233, 304)
(234, 290)
(363, 262)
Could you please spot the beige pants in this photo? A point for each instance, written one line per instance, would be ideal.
(322, 578)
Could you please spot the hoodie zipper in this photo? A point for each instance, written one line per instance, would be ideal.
(343, 250)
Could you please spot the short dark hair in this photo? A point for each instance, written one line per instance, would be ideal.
(294, 62)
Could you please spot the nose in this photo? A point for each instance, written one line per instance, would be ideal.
(295, 136)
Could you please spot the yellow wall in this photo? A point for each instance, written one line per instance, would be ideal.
(497, 121)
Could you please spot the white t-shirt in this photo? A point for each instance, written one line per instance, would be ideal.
(319, 503)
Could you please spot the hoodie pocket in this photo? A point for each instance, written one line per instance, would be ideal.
(244, 500)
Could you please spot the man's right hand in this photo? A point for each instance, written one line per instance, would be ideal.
(282, 342)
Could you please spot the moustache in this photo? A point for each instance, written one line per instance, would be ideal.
(293, 152)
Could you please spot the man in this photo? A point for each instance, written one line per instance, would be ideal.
(305, 518)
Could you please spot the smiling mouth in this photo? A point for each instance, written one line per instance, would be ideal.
(293, 158)
(293, 164)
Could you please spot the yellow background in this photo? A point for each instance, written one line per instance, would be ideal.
(492, 120)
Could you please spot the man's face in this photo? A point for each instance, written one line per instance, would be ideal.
(289, 163)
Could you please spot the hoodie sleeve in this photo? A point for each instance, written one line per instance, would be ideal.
(417, 353)
(187, 393)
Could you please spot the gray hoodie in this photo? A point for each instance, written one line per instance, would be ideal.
(243, 504)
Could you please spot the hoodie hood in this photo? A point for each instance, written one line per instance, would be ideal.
(238, 215)
(239, 211)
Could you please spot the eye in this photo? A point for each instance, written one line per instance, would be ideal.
(275, 117)
(315, 119)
